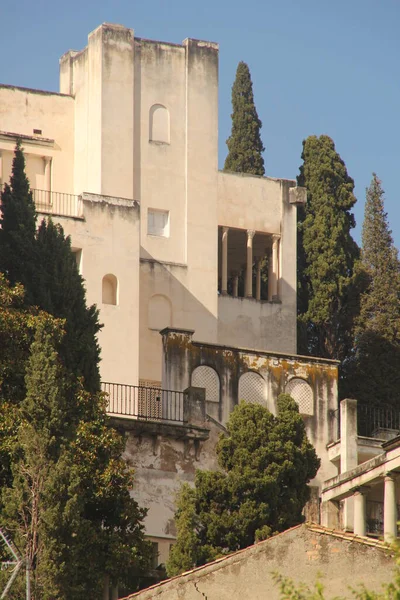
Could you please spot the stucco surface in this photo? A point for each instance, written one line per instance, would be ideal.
(302, 553)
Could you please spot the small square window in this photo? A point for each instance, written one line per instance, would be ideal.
(158, 222)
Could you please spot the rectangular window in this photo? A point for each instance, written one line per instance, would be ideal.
(158, 222)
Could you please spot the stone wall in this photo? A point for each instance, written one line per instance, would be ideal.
(305, 554)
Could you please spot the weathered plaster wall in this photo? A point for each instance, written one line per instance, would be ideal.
(182, 355)
(108, 238)
(23, 110)
(258, 325)
(303, 554)
(161, 464)
(261, 204)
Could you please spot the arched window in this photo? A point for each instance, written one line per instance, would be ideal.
(253, 388)
(109, 289)
(159, 124)
(206, 377)
(302, 393)
(159, 312)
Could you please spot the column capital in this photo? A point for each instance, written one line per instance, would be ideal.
(390, 476)
(225, 229)
(46, 159)
(251, 233)
(276, 237)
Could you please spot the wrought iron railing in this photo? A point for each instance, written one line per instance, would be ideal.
(144, 403)
(377, 421)
(58, 203)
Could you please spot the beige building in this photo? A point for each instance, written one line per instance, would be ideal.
(193, 269)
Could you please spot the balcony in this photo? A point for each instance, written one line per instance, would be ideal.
(58, 203)
(378, 421)
(145, 403)
(158, 412)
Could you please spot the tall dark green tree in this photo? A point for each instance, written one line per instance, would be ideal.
(328, 277)
(69, 504)
(60, 291)
(18, 225)
(44, 263)
(265, 464)
(375, 376)
(245, 147)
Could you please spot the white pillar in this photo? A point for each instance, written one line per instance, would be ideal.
(258, 279)
(235, 290)
(224, 283)
(390, 510)
(249, 267)
(360, 513)
(348, 453)
(274, 271)
(47, 179)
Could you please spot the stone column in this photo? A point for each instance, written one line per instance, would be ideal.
(235, 290)
(360, 512)
(274, 278)
(348, 453)
(390, 509)
(249, 267)
(258, 279)
(224, 284)
(47, 180)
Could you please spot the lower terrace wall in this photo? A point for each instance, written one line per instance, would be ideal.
(305, 553)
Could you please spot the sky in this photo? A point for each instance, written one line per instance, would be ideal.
(318, 67)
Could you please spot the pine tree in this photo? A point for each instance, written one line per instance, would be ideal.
(265, 464)
(69, 505)
(328, 278)
(375, 375)
(18, 225)
(244, 144)
(60, 291)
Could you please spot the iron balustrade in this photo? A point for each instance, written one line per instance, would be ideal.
(374, 420)
(58, 203)
(145, 403)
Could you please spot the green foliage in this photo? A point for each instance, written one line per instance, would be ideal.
(328, 280)
(44, 263)
(266, 463)
(69, 503)
(60, 291)
(244, 144)
(17, 328)
(374, 367)
(18, 224)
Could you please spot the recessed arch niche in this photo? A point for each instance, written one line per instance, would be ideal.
(159, 124)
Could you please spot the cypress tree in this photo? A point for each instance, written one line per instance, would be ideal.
(60, 291)
(244, 144)
(44, 263)
(327, 259)
(18, 225)
(375, 375)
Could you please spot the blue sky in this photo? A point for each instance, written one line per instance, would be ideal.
(317, 67)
